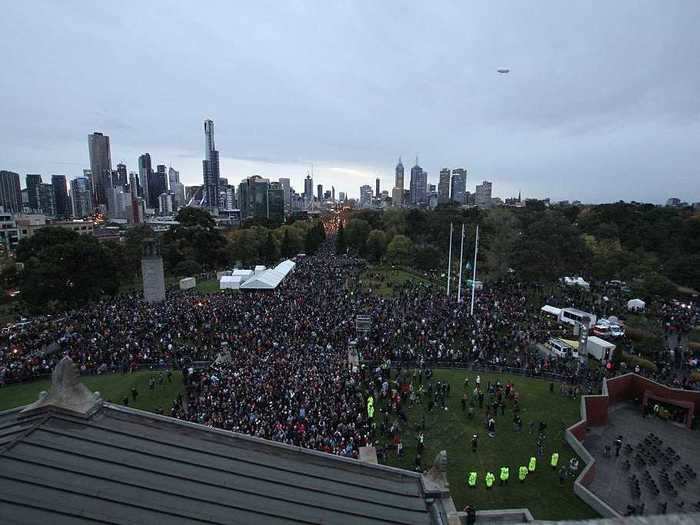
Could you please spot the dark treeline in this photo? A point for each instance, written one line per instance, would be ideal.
(649, 246)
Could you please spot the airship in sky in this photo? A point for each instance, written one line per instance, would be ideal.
(503, 70)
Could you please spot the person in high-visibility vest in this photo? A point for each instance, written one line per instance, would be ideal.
(505, 474)
(471, 480)
(555, 459)
(490, 478)
(370, 407)
(533, 464)
(522, 473)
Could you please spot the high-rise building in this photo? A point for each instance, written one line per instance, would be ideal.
(308, 187)
(252, 197)
(60, 196)
(10, 192)
(287, 188)
(444, 186)
(377, 193)
(134, 185)
(483, 195)
(120, 177)
(419, 184)
(100, 167)
(33, 181)
(176, 188)
(319, 192)
(275, 202)
(341, 196)
(365, 196)
(210, 168)
(145, 175)
(399, 176)
(157, 184)
(81, 196)
(459, 185)
(47, 202)
(165, 203)
(333, 193)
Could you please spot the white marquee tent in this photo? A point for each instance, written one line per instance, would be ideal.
(636, 305)
(230, 282)
(269, 279)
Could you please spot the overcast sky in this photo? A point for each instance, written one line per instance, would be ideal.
(602, 102)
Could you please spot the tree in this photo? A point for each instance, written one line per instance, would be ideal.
(313, 238)
(286, 248)
(426, 257)
(64, 268)
(376, 245)
(501, 232)
(655, 284)
(268, 249)
(341, 245)
(357, 233)
(399, 250)
(189, 216)
(133, 247)
(196, 238)
(187, 268)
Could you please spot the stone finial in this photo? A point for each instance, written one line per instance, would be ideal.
(66, 392)
(438, 472)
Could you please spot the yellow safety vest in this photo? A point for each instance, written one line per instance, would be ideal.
(555, 459)
(522, 472)
(505, 473)
(370, 411)
(490, 478)
(533, 464)
(472, 479)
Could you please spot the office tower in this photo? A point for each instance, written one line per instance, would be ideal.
(134, 186)
(419, 184)
(120, 178)
(483, 195)
(157, 184)
(287, 188)
(174, 177)
(210, 168)
(341, 196)
(333, 193)
(81, 196)
(46, 200)
(365, 196)
(165, 203)
(443, 188)
(60, 196)
(145, 175)
(399, 176)
(377, 193)
(33, 181)
(275, 202)
(10, 192)
(319, 192)
(100, 167)
(308, 187)
(176, 188)
(252, 197)
(459, 185)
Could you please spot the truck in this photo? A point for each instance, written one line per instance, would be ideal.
(573, 317)
(599, 349)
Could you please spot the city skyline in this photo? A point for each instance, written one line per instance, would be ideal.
(588, 99)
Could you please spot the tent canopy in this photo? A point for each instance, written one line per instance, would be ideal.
(231, 282)
(636, 304)
(551, 310)
(269, 279)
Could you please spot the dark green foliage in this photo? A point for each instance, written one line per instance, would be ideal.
(341, 244)
(187, 268)
(195, 238)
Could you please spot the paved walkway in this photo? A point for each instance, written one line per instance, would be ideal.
(612, 482)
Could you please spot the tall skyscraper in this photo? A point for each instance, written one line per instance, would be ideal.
(287, 188)
(252, 197)
(47, 202)
(459, 185)
(419, 184)
(319, 192)
(145, 175)
(399, 176)
(483, 195)
(157, 184)
(275, 202)
(81, 196)
(365, 196)
(376, 190)
(100, 167)
(176, 188)
(210, 168)
(444, 186)
(10, 192)
(33, 182)
(60, 196)
(120, 177)
(308, 187)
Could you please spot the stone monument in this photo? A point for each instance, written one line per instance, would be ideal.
(152, 272)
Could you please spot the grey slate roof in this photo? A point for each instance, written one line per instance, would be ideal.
(121, 465)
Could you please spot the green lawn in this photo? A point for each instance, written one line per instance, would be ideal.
(113, 387)
(451, 430)
(382, 279)
(208, 286)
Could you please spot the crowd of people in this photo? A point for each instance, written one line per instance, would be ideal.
(285, 375)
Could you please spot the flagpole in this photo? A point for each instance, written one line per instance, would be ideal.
(449, 263)
(476, 252)
(461, 252)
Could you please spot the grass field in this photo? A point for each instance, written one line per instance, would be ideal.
(113, 387)
(451, 430)
(208, 286)
(382, 279)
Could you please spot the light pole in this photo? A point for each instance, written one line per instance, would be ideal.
(461, 252)
(476, 253)
(449, 263)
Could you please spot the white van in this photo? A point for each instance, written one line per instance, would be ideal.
(573, 316)
(561, 348)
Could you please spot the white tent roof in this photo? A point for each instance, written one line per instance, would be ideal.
(551, 310)
(243, 273)
(269, 279)
(601, 342)
(636, 303)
